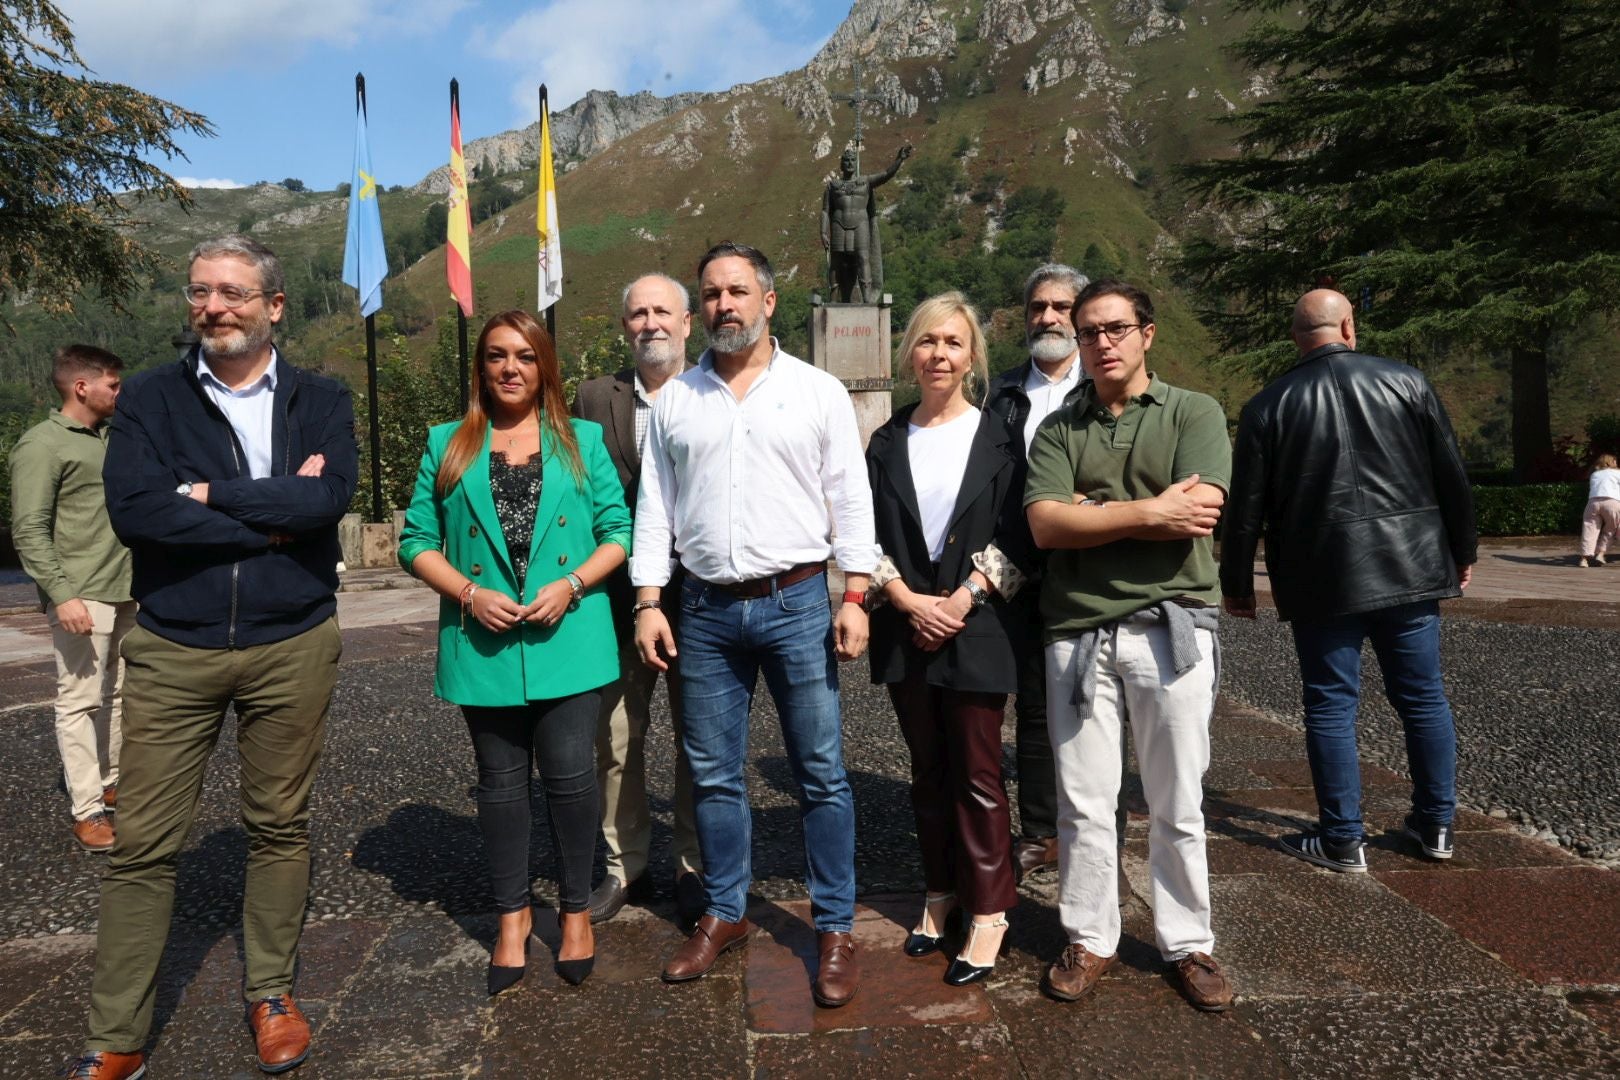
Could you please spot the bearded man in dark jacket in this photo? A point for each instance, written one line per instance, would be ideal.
(1348, 467)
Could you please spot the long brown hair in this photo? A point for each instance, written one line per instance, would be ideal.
(469, 438)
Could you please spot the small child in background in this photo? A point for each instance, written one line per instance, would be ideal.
(1601, 521)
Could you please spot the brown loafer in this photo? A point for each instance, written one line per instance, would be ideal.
(1076, 972)
(839, 976)
(699, 952)
(281, 1032)
(1204, 983)
(1034, 853)
(94, 833)
(106, 1065)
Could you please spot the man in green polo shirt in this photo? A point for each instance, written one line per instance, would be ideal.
(1125, 486)
(66, 544)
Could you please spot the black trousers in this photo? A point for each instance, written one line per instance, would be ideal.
(558, 736)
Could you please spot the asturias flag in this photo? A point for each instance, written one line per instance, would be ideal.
(365, 263)
(545, 216)
(458, 251)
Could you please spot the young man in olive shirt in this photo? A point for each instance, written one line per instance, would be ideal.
(1125, 486)
(66, 544)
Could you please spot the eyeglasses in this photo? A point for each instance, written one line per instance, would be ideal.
(232, 296)
(1115, 332)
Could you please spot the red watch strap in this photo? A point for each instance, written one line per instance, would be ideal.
(857, 598)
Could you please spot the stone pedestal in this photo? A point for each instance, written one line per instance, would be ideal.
(852, 342)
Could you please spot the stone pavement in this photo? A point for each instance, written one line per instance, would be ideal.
(1501, 962)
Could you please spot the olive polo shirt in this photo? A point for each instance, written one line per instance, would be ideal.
(1164, 435)
(59, 518)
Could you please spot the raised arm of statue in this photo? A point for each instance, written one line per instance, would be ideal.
(888, 174)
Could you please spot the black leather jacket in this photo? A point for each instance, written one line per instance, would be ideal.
(1349, 465)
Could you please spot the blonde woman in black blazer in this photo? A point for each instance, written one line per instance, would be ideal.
(949, 519)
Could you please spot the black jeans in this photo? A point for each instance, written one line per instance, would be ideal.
(559, 735)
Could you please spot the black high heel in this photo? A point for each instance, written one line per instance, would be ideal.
(961, 971)
(504, 978)
(921, 944)
(574, 972)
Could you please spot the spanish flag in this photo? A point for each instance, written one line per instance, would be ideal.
(545, 217)
(457, 251)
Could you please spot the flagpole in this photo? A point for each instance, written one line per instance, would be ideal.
(551, 310)
(461, 316)
(371, 356)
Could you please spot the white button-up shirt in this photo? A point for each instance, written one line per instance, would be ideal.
(746, 489)
(251, 411)
(1046, 396)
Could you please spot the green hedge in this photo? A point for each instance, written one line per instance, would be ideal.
(1529, 509)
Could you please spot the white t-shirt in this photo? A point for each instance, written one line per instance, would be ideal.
(939, 457)
(1605, 484)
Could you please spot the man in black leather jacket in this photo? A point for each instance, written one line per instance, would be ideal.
(1349, 465)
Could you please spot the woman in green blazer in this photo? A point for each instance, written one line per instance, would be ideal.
(517, 520)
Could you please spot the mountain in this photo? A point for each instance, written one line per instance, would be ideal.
(1040, 127)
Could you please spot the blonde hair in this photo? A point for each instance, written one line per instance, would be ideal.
(468, 440)
(1605, 461)
(932, 313)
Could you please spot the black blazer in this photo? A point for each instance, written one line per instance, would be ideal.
(989, 506)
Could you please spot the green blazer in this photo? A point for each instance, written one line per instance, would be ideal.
(529, 662)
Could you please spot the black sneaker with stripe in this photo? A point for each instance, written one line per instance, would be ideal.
(1435, 840)
(1349, 857)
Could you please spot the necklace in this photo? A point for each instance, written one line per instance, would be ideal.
(512, 433)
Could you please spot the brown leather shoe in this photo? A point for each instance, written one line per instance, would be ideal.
(1076, 972)
(281, 1032)
(1034, 853)
(1204, 983)
(109, 798)
(94, 833)
(699, 952)
(839, 976)
(106, 1065)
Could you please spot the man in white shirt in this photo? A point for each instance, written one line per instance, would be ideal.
(1023, 397)
(753, 476)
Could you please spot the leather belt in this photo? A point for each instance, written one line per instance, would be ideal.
(758, 587)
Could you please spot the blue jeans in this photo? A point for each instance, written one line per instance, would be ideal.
(726, 643)
(1406, 640)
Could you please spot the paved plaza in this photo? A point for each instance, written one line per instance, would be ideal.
(1500, 963)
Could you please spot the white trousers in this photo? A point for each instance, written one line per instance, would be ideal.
(89, 702)
(1169, 718)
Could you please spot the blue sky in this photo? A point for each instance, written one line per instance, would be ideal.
(276, 77)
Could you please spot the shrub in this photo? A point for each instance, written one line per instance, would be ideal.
(1603, 434)
(1529, 509)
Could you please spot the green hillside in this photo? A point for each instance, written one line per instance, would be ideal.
(1033, 140)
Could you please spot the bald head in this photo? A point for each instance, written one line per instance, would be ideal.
(1323, 317)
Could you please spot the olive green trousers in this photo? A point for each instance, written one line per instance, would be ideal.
(175, 699)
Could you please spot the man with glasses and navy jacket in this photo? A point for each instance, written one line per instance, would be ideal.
(226, 475)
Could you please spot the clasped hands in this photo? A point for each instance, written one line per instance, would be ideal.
(498, 613)
(934, 619)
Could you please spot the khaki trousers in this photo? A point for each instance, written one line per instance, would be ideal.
(89, 706)
(175, 699)
(621, 772)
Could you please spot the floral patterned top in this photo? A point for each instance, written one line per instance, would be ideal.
(516, 490)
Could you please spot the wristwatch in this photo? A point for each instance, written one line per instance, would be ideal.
(184, 488)
(978, 595)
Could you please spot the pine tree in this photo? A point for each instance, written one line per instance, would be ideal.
(73, 163)
(1452, 166)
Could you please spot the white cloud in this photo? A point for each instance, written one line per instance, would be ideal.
(632, 45)
(142, 39)
(193, 182)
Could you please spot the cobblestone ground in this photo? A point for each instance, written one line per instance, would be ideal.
(1500, 963)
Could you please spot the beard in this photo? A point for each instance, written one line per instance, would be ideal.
(246, 337)
(733, 337)
(1050, 346)
(659, 354)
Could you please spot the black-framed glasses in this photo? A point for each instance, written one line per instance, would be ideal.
(232, 296)
(1115, 332)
